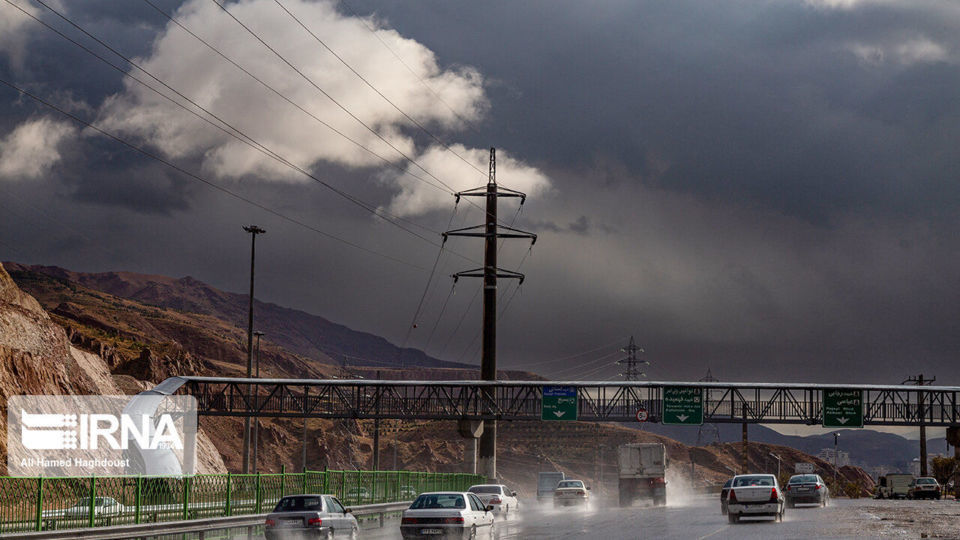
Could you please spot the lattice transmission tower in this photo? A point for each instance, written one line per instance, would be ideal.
(631, 363)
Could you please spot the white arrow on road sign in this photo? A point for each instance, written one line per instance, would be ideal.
(559, 413)
(682, 417)
(843, 420)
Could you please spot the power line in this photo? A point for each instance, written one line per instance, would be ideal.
(412, 72)
(426, 289)
(443, 308)
(462, 317)
(375, 89)
(293, 103)
(586, 364)
(238, 135)
(333, 100)
(203, 180)
(572, 356)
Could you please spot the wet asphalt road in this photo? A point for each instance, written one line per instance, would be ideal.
(697, 517)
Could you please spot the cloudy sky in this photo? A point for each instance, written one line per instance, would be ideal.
(765, 188)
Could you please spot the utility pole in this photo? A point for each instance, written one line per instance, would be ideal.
(709, 427)
(836, 459)
(303, 448)
(376, 433)
(632, 371)
(746, 449)
(256, 420)
(490, 231)
(254, 231)
(922, 416)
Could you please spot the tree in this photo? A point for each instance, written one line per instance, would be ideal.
(943, 468)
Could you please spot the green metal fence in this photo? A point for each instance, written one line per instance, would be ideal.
(37, 503)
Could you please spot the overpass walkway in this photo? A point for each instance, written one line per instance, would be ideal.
(754, 403)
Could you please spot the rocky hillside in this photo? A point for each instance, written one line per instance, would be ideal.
(300, 333)
(120, 333)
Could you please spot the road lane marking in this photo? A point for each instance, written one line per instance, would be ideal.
(721, 529)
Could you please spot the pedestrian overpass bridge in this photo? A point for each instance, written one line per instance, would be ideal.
(750, 403)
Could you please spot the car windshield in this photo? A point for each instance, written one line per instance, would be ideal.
(744, 481)
(299, 504)
(804, 479)
(926, 481)
(570, 484)
(438, 500)
(728, 483)
(485, 489)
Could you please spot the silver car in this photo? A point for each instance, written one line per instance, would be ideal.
(500, 497)
(755, 495)
(310, 516)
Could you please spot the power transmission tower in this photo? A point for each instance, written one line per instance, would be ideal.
(490, 231)
(632, 371)
(921, 414)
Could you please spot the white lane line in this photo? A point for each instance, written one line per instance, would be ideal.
(721, 529)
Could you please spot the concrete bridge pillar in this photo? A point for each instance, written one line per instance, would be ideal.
(470, 430)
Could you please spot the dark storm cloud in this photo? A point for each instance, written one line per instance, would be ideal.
(765, 188)
(761, 101)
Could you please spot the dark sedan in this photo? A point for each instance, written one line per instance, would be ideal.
(807, 489)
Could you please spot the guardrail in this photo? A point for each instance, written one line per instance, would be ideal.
(40, 504)
(201, 527)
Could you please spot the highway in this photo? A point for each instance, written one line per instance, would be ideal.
(699, 517)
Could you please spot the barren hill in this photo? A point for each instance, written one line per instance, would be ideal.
(301, 333)
(119, 333)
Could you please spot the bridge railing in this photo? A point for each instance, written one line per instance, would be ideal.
(39, 503)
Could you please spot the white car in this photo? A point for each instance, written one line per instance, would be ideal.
(500, 497)
(571, 493)
(755, 495)
(447, 514)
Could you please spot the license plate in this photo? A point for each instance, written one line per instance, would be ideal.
(803, 489)
(431, 531)
(291, 522)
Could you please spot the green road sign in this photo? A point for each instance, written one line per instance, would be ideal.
(842, 408)
(682, 405)
(559, 403)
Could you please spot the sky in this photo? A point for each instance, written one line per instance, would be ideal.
(767, 189)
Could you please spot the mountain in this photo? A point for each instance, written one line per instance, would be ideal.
(300, 333)
(866, 447)
(64, 332)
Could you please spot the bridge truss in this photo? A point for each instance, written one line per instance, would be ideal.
(753, 403)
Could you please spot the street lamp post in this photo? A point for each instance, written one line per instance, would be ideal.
(776, 457)
(256, 420)
(254, 231)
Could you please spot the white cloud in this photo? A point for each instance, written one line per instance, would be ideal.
(30, 150)
(919, 50)
(14, 27)
(417, 196)
(845, 4)
(194, 70)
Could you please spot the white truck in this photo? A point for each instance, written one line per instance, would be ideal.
(547, 484)
(894, 486)
(642, 470)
